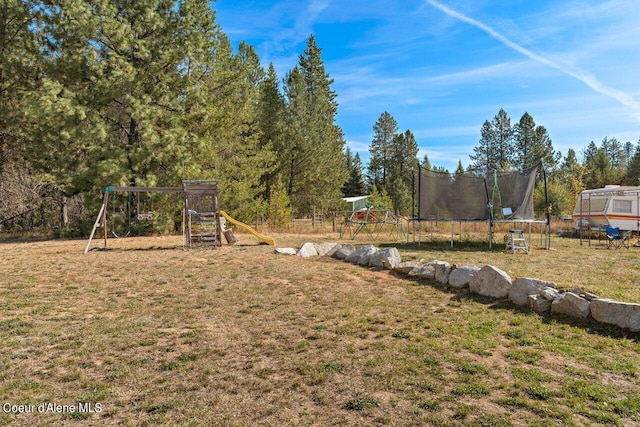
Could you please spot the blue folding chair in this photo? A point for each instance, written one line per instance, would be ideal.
(615, 239)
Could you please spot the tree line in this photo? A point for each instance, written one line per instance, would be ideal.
(502, 147)
(151, 92)
(525, 144)
(148, 93)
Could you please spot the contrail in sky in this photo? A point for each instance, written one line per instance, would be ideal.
(584, 77)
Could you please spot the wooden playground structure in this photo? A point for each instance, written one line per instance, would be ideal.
(203, 222)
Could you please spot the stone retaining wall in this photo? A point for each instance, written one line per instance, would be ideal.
(540, 296)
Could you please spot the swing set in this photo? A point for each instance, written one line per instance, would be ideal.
(122, 214)
(200, 211)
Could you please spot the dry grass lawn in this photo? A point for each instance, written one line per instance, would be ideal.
(151, 334)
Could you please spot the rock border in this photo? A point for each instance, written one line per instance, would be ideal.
(539, 296)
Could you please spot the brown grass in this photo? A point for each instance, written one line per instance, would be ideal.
(239, 336)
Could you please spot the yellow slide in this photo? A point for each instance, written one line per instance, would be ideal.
(266, 239)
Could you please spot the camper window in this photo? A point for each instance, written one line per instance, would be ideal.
(622, 206)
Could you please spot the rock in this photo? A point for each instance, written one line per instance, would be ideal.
(285, 251)
(523, 287)
(570, 304)
(584, 294)
(424, 271)
(367, 252)
(307, 250)
(361, 256)
(443, 269)
(344, 251)
(407, 266)
(460, 277)
(491, 282)
(539, 304)
(327, 248)
(388, 258)
(550, 293)
(622, 314)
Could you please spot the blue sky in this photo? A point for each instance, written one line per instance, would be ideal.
(443, 67)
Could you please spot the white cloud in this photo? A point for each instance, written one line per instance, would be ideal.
(358, 147)
(585, 77)
(303, 21)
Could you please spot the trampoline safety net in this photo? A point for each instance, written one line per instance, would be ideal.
(467, 196)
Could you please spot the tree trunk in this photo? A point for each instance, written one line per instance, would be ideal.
(64, 212)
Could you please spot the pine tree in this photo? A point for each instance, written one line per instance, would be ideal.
(543, 151)
(404, 163)
(533, 146)
(384, 131)
(64, 128)
(22, 188)
(503, 140)
(599, 171)
(125, 83)
(571, 174)
(235, 155)
(633, 171)
(495, 148)
(613, 150)
(524, 136)
(279, 211)
(589, 152)
(355, 184)
(296, 156)
(426, 164)
(380, 199)
(271, 122)
(628, 151)
(20, 73)
(147, 93)
(313, 158)
(483, 154)
(329, 172)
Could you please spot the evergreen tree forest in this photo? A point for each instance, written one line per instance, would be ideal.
(151, 92)
(504, 147)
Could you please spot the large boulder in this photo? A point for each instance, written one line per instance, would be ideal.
(490, 281)
(622, 314)
(308, 250)
(387, 257)
(344, 251)
(424, 271)
(285, 251)
(570, 304)
(407, 266)
(550, 293)
(443, 269)
(361, 256)
(523, 287)
(460, 277)
(327, 248)
(539, 304)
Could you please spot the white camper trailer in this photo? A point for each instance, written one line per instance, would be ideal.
(614, 206)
